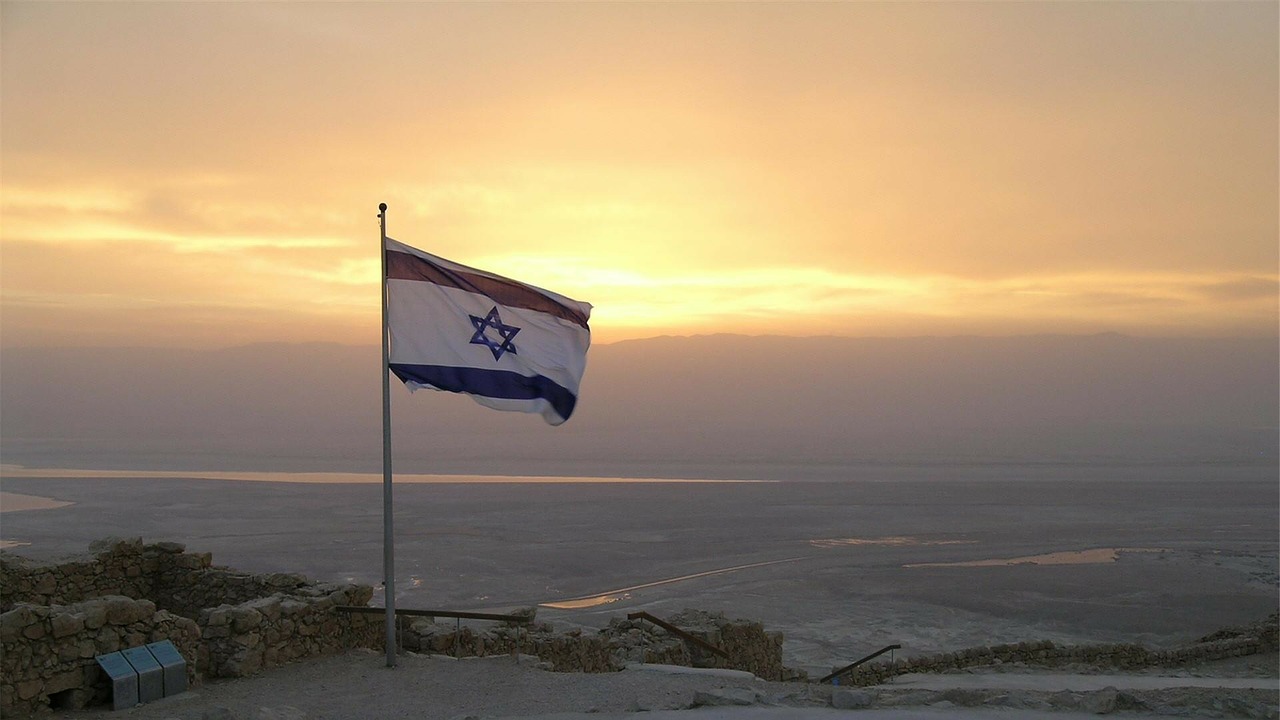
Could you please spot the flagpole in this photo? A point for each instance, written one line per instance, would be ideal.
(388, 542)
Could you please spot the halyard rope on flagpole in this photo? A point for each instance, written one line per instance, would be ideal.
(388, 545)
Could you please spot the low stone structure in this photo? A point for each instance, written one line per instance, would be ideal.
(749, 646)
(1260, 637)
(242, 639)
(57, 617)
(115, 567)
(49, 650)
(624, 641)
(178, 581)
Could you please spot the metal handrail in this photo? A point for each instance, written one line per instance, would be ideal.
(687, 637)
(853, 665)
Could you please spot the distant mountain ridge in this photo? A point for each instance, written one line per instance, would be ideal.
(714, 406)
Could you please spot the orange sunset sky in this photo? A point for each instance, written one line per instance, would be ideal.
(208, 174)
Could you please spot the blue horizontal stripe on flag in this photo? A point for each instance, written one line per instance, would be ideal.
(501, 384)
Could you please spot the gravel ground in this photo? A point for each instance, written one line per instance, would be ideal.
(358, 685)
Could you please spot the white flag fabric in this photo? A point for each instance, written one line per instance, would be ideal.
(508, 345)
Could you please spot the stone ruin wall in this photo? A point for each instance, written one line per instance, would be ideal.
(125, 568)
(270, 631)
(1260, 637)
(57, 618)
(624, 641)
(181, 582)
(48, 651)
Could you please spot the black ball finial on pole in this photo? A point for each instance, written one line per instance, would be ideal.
(382, 207)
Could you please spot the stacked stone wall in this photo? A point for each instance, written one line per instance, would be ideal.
(266, 632)
(612, 648)
(47, 651)
(188, 585)
(1236, 642)
(564, 652)
(749, 647)
(58, 617)
(225, 623)
(115, 568)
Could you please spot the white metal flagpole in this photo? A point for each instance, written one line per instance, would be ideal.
(388, 542)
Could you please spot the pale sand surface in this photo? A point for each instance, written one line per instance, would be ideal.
(1094, 556)
(17, 502)
(358, 685)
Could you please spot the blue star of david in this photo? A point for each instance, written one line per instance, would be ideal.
(506, 332)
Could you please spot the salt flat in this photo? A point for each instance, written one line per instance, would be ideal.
(932, 558)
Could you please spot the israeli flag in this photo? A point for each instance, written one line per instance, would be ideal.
(508, 345)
